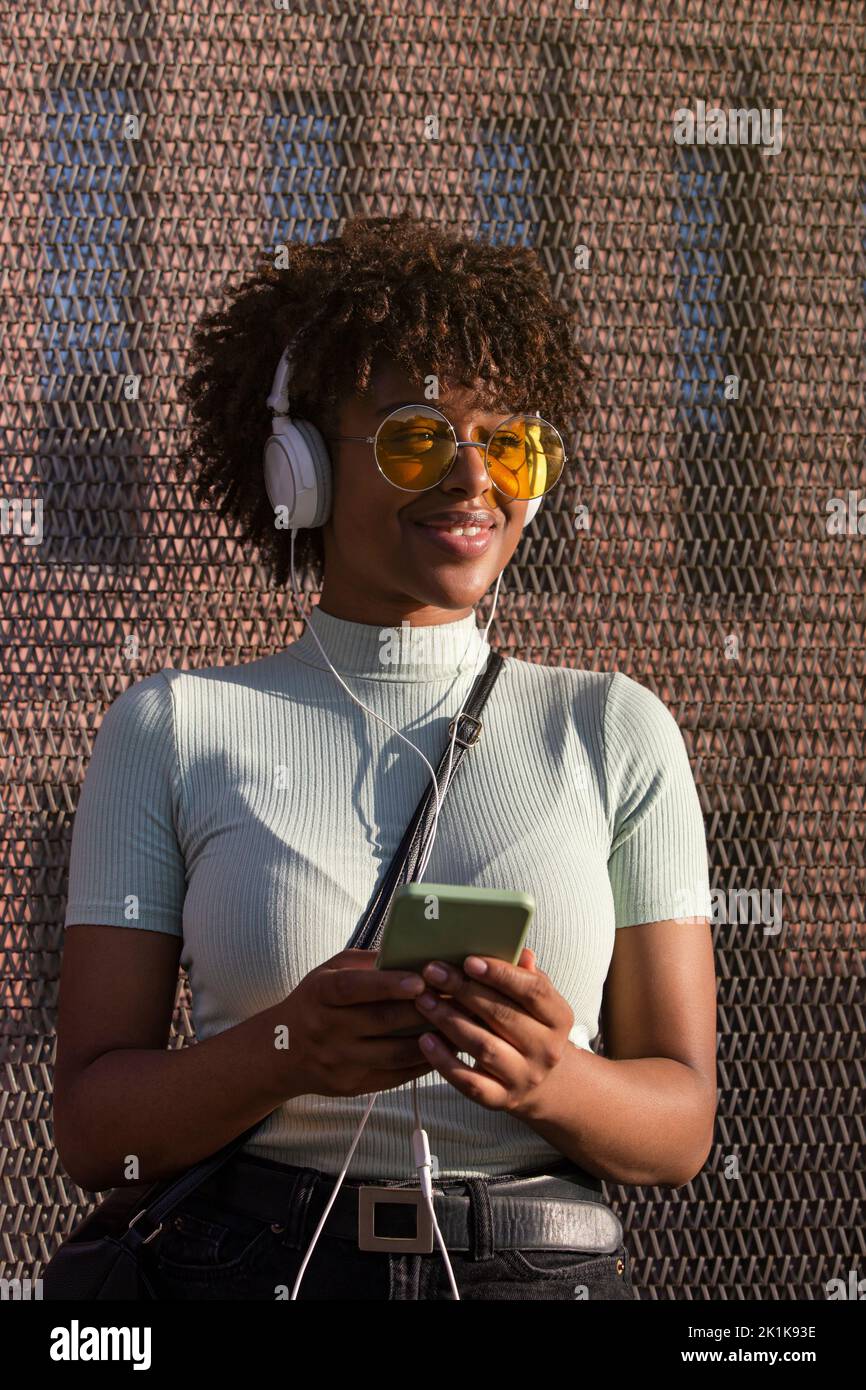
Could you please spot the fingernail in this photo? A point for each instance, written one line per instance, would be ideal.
(437, 972)
(411, 984)
(427, 1001)
(475, 965)
(428, 1042)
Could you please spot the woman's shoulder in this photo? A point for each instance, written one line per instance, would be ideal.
(613, 683)
(632, 721)
(638, 719)
(607, 687)
(149, 708)
(146, 701)
(554, 676)
(260, 673)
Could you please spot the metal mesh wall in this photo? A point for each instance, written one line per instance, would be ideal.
(148, 151)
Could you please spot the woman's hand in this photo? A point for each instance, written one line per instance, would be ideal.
(341, 1020)
(508, 1017)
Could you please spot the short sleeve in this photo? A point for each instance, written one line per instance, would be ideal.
(657, 862)
(127, 867)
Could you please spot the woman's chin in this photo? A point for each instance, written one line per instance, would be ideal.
(454, 583)
(454, 597)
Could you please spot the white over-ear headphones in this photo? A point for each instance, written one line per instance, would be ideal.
(297, 466)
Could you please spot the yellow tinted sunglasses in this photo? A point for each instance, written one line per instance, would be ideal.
(416, 445)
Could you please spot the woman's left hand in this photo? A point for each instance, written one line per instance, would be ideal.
(509, 1018)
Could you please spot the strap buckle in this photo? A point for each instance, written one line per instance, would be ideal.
(474, 734)
(155, 1232)
(419, 1244)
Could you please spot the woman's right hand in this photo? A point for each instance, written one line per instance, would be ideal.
(340, 1017)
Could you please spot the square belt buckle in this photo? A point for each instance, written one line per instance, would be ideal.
(419, 1244)
(474, 733)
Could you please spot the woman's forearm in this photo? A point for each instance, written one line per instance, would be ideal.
(140, 1114)
(639, 1120)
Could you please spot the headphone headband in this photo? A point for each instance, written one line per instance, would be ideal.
(278, 400)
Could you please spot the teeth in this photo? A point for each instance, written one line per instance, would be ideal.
(460, 530)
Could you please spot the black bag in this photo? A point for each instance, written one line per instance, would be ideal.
(101, 1259)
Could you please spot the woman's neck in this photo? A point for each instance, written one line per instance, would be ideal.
(381, 613)
(401, 651)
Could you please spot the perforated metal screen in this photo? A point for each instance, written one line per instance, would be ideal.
(148, 150)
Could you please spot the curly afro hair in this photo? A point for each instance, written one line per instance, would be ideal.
(438, 303)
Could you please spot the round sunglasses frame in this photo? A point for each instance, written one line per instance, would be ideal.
(456, 444)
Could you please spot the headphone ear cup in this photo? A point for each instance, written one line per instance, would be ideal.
(321, 462)
(531, 508)
(297, 472)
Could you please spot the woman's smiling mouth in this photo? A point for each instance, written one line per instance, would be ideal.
(458, 531)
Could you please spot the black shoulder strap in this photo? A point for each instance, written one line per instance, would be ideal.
(409, 853)
(367, 934)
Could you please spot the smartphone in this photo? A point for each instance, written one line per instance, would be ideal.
(448, 922)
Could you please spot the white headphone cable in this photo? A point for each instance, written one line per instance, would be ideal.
(420, 1143)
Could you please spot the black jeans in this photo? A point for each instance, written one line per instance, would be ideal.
(208, 1250)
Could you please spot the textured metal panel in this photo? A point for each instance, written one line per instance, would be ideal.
(706, 570)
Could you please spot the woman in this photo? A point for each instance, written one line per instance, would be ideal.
(238, 820)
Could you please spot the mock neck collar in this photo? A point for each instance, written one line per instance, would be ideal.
(403, 653)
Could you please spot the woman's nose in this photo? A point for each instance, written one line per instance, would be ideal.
(467, 471)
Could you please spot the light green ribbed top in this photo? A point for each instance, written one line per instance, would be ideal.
(253, 809)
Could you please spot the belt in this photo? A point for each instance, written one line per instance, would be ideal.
(539, 1212)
